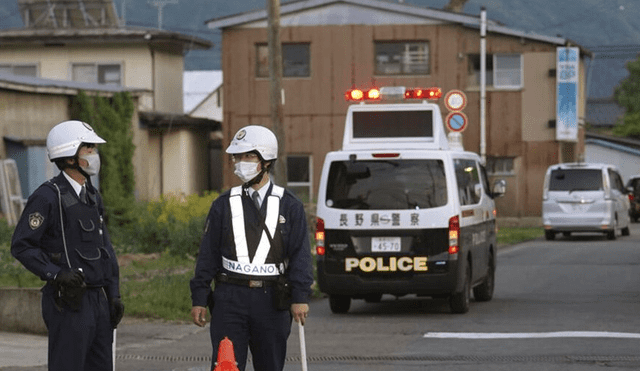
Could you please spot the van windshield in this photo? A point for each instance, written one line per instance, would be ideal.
(386, 184)
(575, 180)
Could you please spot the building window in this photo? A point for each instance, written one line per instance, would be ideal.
(500, 166)
(296, 60)
(19, 69)
(108, 74)
(402, 58)
(299, 178)
(503, 71)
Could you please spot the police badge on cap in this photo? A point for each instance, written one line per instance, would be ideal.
(241, 134)
(35, 220)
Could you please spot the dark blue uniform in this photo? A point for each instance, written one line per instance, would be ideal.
(244, 314)
(78, 339)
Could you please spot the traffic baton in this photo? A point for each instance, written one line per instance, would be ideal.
(113, 350)
(303, 346)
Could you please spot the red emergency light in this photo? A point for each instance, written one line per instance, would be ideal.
(360, 95)
(420, 93)
(400, 92)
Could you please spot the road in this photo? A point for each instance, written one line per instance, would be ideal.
(569, 304)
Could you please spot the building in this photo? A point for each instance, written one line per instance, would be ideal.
(330, 46)
(82, 41)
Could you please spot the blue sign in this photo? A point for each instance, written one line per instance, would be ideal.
(567, 94)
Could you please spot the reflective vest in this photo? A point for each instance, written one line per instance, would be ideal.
(244, 264)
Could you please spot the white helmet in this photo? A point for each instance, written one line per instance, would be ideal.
(66, 137)
(255, 138)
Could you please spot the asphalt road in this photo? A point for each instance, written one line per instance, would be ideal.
(569, 304)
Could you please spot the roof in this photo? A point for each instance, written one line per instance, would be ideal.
(173, 120)
(386, 13)
(66, 87)
(197, 86)
(100, 35)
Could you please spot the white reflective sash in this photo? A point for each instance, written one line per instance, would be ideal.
(239, 234)
(251, 269)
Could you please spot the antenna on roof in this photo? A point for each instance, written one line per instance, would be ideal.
(161, 4)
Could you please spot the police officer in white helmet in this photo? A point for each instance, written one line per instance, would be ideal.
(256, 248)
(61, 237)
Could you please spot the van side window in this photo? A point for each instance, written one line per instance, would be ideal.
(616, 180)
(467, 177)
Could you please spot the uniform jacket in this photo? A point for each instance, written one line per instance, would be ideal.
(218, 241)
(38, 244)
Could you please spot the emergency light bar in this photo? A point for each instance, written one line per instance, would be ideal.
(392, 93)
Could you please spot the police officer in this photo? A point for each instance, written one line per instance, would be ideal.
(61, 237)
(247, 258)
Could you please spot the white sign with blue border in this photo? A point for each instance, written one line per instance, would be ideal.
(567, 94)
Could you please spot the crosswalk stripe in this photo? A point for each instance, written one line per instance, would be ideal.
(530, 335)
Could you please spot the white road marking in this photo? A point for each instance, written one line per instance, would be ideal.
(530, 335)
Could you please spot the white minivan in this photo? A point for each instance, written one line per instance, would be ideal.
(582, 197)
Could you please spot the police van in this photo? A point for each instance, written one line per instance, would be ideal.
(401, 210)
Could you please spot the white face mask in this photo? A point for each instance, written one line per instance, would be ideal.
(246, 170)
(93, 160)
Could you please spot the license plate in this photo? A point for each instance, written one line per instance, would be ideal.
(385, 244)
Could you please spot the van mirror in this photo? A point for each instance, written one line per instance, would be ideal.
(629, 190)
(499, 188)
(477, 189)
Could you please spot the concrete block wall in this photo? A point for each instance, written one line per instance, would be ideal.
(21, 310)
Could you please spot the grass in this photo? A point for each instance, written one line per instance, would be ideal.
(157, 285)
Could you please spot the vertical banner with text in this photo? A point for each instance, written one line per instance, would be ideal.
(567, 94)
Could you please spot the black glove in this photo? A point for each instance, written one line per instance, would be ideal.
(70, 288)
(69, 278)
(116, 311)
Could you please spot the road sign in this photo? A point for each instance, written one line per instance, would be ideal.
(455, 100)
(456, 121)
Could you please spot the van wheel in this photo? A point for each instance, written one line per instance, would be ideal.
(611, 234)
(339, 303)
(484, 291)
(459, 301)
(549, 235)
(373, 298)
(625, 231)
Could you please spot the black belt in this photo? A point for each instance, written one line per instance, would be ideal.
(224, 278)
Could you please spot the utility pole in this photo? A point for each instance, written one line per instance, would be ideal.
(161, 4)
(276, 93)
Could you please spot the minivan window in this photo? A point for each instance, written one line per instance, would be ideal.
(575, 180)
(467, 177)
(386, 184)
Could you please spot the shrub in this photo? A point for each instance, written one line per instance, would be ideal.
(173, 224)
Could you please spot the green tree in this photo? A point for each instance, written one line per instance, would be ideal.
(111, 119)
(627, 95)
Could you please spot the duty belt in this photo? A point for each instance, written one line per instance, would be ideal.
(224, 278)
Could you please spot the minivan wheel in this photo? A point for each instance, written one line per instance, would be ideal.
(339, 303)
(484, 291)
(549, 235)
(625, 231)
(611, 234)
(459, 301)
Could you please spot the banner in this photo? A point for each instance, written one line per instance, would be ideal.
(567, 94)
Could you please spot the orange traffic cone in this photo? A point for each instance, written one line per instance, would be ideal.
(226, 356)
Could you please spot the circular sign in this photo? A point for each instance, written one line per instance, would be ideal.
(456, 121)
(455, 100)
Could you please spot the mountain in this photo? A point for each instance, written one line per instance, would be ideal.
(609, 28)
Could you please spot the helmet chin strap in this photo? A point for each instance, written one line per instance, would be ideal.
(77, 166)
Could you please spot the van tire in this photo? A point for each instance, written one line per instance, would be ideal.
(459, 301)
(549, 235)
(611, 234)
(484, 291)
(625, 231)
(339, 303)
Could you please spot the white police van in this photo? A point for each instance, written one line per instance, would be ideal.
(400, 211)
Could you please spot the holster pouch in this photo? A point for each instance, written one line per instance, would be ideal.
(70, 296)
(282, 293)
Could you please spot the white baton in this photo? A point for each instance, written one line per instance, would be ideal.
(303, 347)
